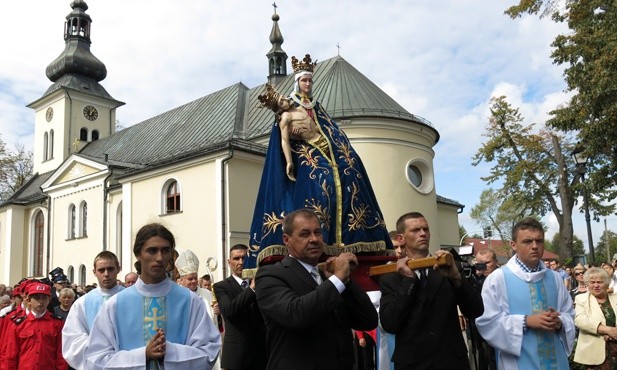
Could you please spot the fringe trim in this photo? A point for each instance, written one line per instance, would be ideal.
(330, 250)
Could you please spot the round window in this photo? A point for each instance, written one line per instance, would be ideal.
(414, 175)
(420, 175)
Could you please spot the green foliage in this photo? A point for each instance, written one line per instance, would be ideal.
(15, 169)
(609, 237)
(532, 166)
(589, 51)
(555, 244)
(531, 7)
(461, 231)
(498, 210)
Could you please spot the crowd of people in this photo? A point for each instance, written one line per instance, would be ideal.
(305, 312)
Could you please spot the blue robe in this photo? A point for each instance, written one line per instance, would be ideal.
(331, 181)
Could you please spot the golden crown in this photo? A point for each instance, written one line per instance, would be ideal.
(305, 65)
(270, 98)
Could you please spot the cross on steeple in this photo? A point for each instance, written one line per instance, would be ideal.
(339, 49)
(274, 5)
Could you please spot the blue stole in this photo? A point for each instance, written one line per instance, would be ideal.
(92, 304)
(541, 349)
(138, 316)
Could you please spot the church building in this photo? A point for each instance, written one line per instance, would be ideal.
(195, 168)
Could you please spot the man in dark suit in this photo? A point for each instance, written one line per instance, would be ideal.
(244, 343)
(420, 306)
(309, 313)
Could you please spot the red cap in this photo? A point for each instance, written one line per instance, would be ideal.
(16, 291)
(39, 288)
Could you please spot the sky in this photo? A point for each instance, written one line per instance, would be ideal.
(442, 60)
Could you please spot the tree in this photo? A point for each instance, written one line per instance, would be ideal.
(577, 245)
(499, 211)
(15, 169)
(610, 238)
(461, 231)
(533, 167)
(588, 51)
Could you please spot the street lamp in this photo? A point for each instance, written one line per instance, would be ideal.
(581, 167)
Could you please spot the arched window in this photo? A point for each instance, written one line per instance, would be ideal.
(71, 273)
(72, 219)
(83, 134)
(39, 238)
(82, 275)
(83, 219)
(172, 197)
(95, 135)
(45, 146)
(51, 144)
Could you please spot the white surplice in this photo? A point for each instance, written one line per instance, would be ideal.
(199, 351)
(504, 331)
(76, 331)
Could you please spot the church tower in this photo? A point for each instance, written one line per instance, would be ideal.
(277, 58)
(75, 109)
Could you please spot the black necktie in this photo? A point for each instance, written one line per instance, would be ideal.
(423, 277)
(244, 284)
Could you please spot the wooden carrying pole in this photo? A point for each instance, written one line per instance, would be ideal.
(444, 260)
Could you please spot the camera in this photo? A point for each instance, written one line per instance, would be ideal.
(464, 256)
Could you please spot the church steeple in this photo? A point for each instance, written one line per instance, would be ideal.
(76, 109)
(76, 59)
(277, 58)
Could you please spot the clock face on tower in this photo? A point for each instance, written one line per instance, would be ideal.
(49, 114)
(91, 113)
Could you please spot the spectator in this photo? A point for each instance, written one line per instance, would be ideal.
(612, 276)
(66, 297)
(556, 266)
(130, 279)
(206, 282)
(595, 318)
(528, 315)
(579, 283)
(5, 301)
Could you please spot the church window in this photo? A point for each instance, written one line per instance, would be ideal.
(37, 250)
(172, 197)
(51, 144)
(83, 219)
(72, 218)
(420, 175)
(82, 275)
(70, 272)
(95, 135)
(83, 134)
(45, 146)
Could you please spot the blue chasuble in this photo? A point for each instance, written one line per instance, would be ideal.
(541, 349)
(92, 304)
(138, 316)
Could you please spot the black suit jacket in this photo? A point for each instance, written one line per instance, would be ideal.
(309, 326)
(425, 321)
(244, 343)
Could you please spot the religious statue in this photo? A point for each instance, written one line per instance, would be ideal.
(311, 164)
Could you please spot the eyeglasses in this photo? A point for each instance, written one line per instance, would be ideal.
(578, 273)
